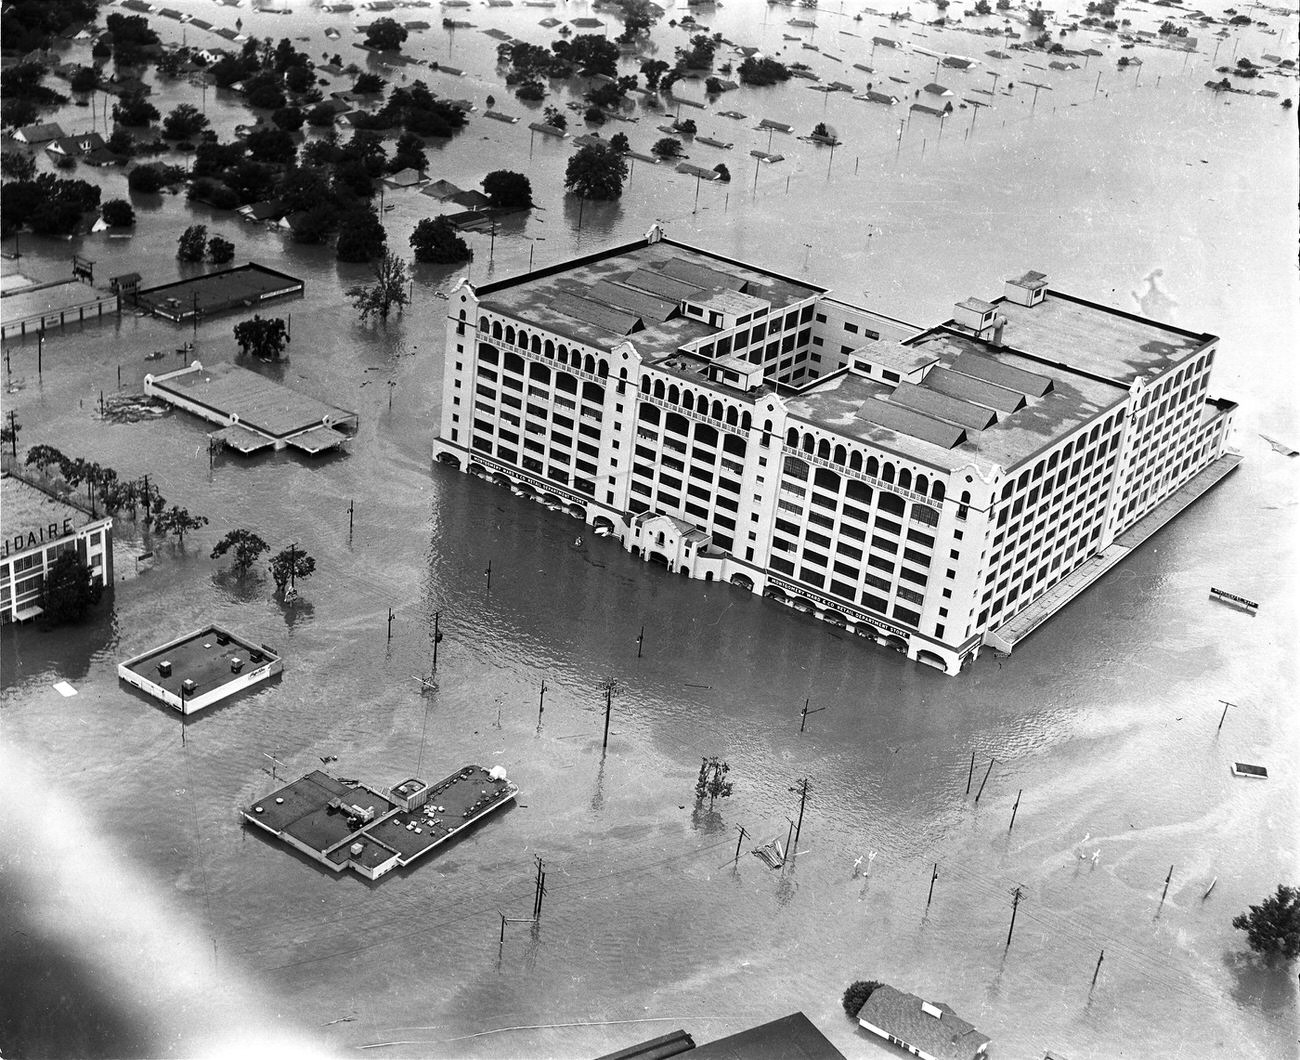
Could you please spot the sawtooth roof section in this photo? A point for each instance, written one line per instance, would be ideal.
(1031, 384)
(702, 275)
(646, 306)
(612, 320)
(916, 424)
(976, 391)
(944, 406)
(656, 282)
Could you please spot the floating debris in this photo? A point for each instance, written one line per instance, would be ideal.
(1280, 447)
(1248, 769)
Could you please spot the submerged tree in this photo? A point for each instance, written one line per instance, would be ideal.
(192, 243)
(178, 521)
(1273, 926)
(289, 566)
(435, 240)
(712, 782)
(596, 171)
(69, 590)
(857, 995)
(389, 289)
(262, 337)
(246, 545)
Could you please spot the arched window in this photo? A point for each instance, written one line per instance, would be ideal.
(513, 362)
(702, 405)
(905, 478)
(510, 335)
(602, 368)
(589, 365)
(717, 410)
(1023, 480)
(937, 491)
(674, 395)
(824, 449)
(539, 371)
(563, 351)
(549, 348)
(496, 329)
(887, 474)
(1006, 490)
(809, 445)
(537, 344)
(462, 314)
(922, 484)
(1092, 434)
(873, 467)
(483, 324)
(659, 389)
(1038, 469)
(791, 437)
(575, 358)
(645, 384)
(855, 461)
(731, 416)
(747, 421)
(841, 455)
(965, 496)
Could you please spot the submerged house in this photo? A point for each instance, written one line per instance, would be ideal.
(930, 1031)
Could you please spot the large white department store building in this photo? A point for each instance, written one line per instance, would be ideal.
(936, 490)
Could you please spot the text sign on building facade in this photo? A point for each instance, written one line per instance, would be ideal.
(33, 538)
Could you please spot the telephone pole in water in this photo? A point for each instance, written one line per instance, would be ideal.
(1016, 894)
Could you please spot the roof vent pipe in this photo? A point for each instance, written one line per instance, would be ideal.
(999, 322)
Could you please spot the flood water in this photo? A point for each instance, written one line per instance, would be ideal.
(146, 921)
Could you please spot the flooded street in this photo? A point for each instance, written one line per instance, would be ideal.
(126, 867)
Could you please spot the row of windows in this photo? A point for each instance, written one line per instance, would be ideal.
(871, 466)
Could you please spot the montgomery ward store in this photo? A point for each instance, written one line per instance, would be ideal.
(37, 526)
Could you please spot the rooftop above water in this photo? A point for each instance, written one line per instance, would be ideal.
(634, 294)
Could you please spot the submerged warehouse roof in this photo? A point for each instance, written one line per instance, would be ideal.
(1061, 363)
(634, 292)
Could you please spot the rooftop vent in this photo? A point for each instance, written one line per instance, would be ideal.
(932, 1010)
(1027, 290)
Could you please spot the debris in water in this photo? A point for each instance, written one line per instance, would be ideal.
(1280, 447)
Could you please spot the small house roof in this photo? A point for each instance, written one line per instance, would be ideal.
(945, 1036)
(440, 189)
(35, 134)
(937, 89)
(471, 200)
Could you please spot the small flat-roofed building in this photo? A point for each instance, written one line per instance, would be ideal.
(205, 666)
(935, 490)
(930, 1031)
(36, 527)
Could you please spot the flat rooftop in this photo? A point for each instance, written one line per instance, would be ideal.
(26, 509)
(1091, 338)
(260, 403)
(241, 287)
(201, 658)
(581, 301)
(48, 298)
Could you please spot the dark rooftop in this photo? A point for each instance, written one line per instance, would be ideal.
(944, 1037)
(792, 1037)
(665, 269)
(201, 658)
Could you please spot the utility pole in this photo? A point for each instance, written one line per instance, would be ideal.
(970, 775)
(40, 351)
(488, 574)
(803, 714)
(1166, 890)
(609, 696)
(390, 623)
(934, 875)
(992, 761)
(437, 636)
(541, 703)
(640, 639)
(803, 798)
(351, 508)
(1097, 970)
(541, 889)
(14, 428)
(1222, 717)
(1014, 809)
(739, 839)
(1016, 895)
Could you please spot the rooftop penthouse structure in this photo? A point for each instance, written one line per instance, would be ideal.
(345, 824)
(936, 490)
